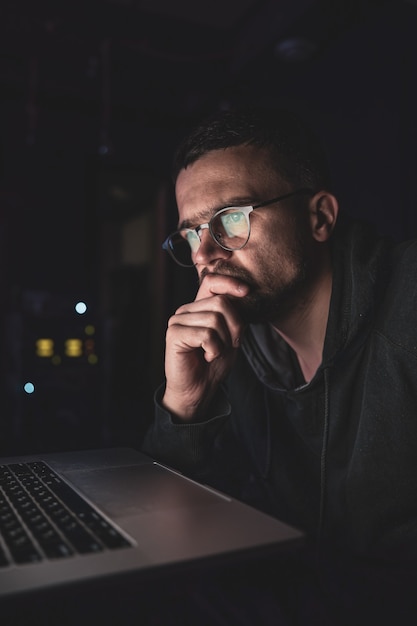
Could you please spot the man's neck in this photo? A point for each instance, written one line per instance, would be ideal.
(305, 329)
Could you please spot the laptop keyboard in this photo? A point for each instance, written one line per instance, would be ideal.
(42, 517)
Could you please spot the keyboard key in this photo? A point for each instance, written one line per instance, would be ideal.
(104, 531)
(22, 548)
(52, 512)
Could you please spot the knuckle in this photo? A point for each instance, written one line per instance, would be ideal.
(207, 335)
(172, 332)
(214, 319)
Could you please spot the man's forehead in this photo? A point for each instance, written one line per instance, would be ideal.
(223, 177)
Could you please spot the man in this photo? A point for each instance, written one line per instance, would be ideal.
(291, 379)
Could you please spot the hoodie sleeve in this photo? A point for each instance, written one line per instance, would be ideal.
(206, 451)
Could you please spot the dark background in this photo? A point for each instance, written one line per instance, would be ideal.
(94, 98)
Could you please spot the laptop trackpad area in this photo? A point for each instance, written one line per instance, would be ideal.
(129, 490)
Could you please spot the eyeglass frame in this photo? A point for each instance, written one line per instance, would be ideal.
(247, 210)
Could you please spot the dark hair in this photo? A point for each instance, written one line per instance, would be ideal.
(294, 148)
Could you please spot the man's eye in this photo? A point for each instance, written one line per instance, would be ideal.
(234, 224)
(193, 240)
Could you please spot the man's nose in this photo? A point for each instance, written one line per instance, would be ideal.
(209, 250)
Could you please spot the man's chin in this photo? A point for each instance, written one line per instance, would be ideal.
(254, 310)
(257, 308)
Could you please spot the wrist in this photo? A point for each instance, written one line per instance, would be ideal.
(180, 410)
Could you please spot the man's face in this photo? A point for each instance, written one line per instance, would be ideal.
(279, 256)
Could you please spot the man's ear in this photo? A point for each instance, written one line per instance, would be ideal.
(324, 209)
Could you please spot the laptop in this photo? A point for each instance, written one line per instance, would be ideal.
(73, 518)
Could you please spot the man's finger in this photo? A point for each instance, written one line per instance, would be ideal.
(219, 284)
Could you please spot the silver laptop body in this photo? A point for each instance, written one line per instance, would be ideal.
(163, 520)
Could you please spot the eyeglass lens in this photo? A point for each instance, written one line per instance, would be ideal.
(229, 228)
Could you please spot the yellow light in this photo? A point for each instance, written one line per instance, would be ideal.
(44, 347)
(73, 348)
(92, 359)
(89, 329)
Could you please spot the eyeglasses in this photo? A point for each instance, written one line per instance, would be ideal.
(229, 228)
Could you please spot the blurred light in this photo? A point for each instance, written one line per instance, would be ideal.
(104, 149)
(92, 359)
(44, 347)
(81, 307)
(296, 49)
(89, 329)
(73, 348)
(56, 360)
(29, 387)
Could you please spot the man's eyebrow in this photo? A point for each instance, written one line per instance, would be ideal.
(191, 224)
(204, 216)
(200, 218)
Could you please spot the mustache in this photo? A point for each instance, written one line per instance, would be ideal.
(223, 268)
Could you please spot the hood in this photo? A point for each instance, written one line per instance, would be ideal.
(358, 283)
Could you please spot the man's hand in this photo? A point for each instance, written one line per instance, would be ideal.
(201, 344)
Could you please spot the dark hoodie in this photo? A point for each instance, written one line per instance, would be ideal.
(336, 457)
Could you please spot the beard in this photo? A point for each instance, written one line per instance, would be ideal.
(280, 287)
(271, 297)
